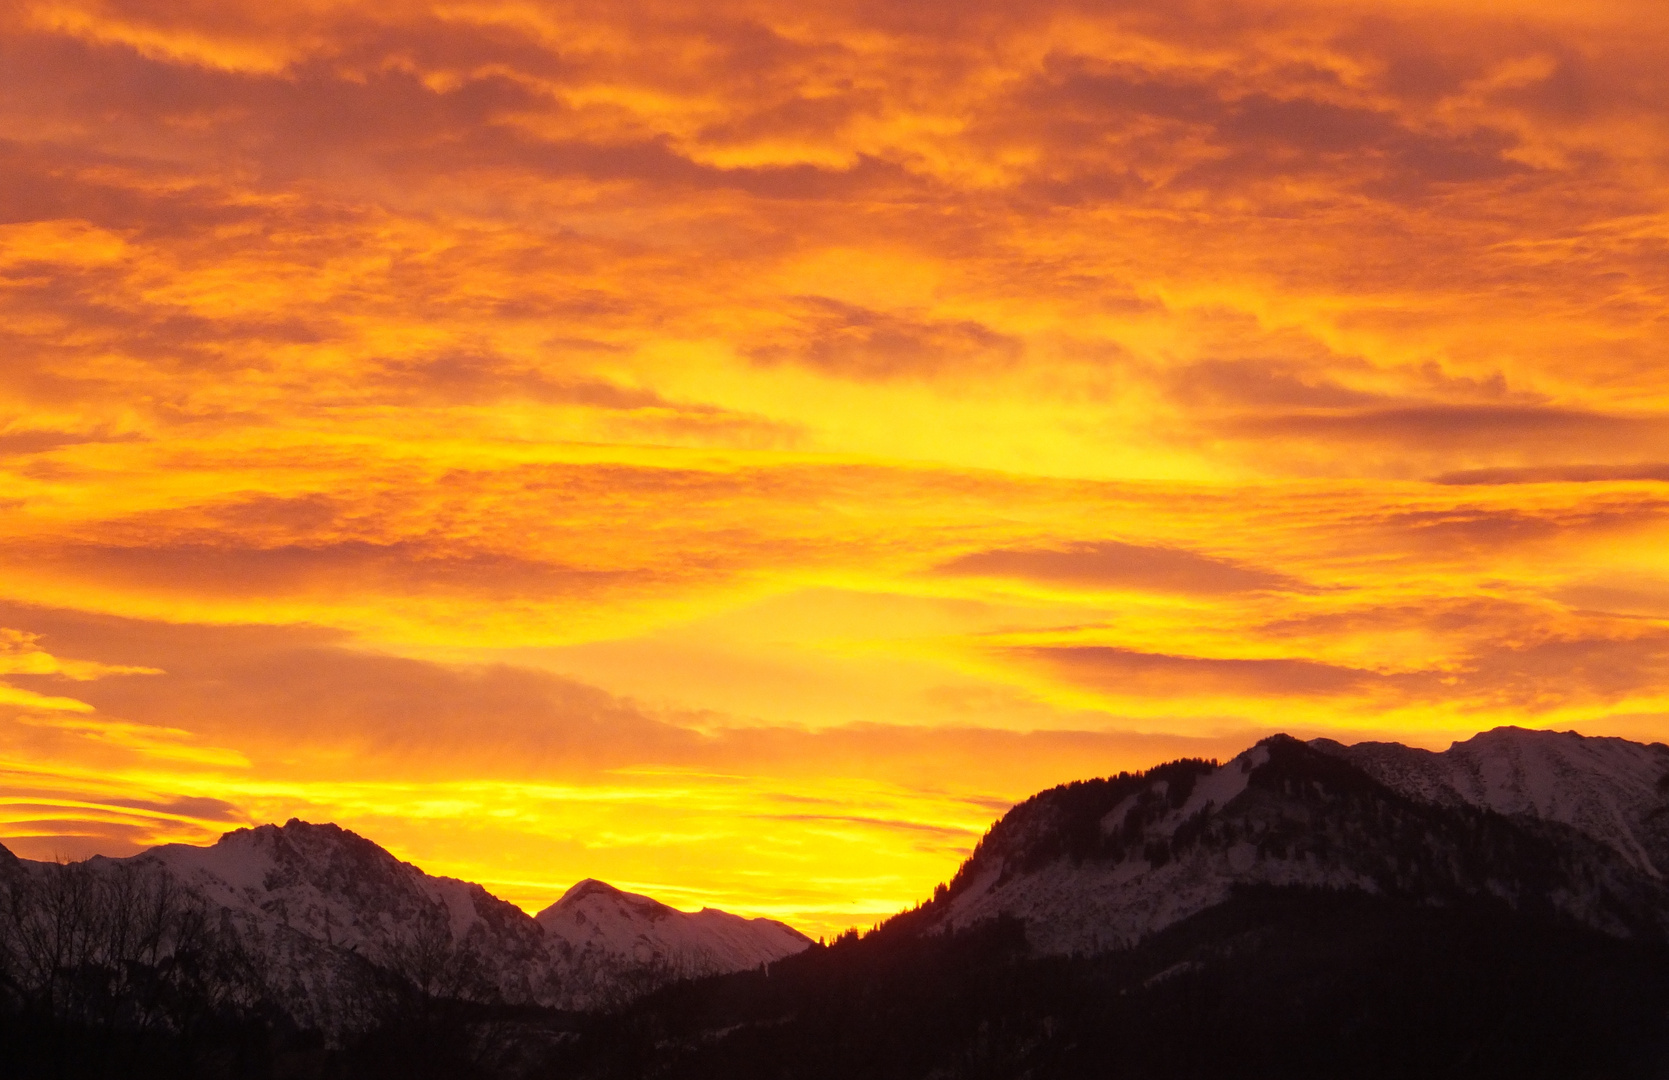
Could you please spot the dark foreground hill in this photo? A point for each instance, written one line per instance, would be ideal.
(1274, 983)
(1303, 910)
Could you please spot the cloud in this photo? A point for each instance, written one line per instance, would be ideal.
(1465, 427)
(1488, 666)
(1587, 670)
(1266, 384)
(48, 814)
(960, 835)
(195, 807)
(283, 693)
(856, 342)
(1484, 529)
(45, 441)
(1555, 474)
(1144, 674)
(268, 690)
(1110, 564)
(21, 654)
(1465, 441)
(463, 378)
(1187, 128)
(210, 569)
(73, 838)
(429, 333)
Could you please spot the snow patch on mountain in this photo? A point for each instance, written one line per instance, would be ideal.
(1213, 792)
(1093, 907)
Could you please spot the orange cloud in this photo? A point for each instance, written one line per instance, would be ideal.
(736, 450)
(1113, 564)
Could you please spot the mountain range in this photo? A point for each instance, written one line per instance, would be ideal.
(316, 914)
(1499, 908)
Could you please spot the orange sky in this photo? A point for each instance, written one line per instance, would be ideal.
(736, 449)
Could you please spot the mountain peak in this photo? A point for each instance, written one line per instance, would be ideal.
(293, 834)
(296, 825)
(595, 887)
(592, 893)
(586, 885)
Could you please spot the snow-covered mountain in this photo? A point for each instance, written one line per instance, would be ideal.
(1612, 790)
(1552, 823)
(1510, 892)
(326, 928)
(322, 911)
(323, 924)
(608, 942)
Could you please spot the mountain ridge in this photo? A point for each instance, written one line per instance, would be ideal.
(1546, 774)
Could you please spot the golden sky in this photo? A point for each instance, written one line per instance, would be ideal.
(736, 449)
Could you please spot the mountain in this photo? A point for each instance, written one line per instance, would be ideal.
(321, 911)
(1541, 822)
(1499, 909)
(325, 927)
(612, 945)
(1306, 909)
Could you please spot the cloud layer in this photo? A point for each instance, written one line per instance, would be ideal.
(618, 435)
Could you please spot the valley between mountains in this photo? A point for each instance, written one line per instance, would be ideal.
(1501, 908)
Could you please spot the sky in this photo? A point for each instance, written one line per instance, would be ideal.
(735, 450)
